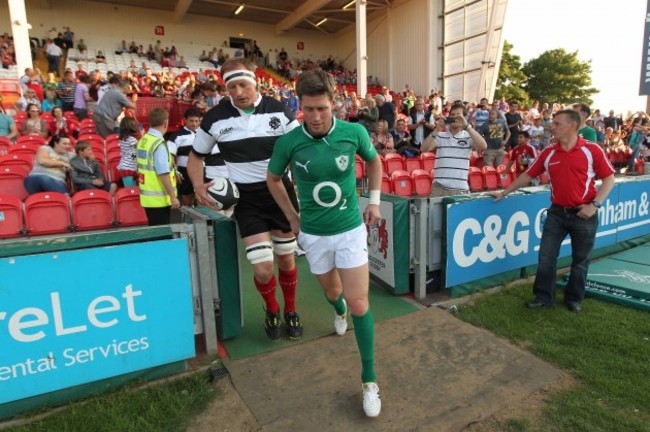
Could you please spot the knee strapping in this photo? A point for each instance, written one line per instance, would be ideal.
(283, 245)
(259, 252)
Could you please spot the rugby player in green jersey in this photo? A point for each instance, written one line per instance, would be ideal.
(330, 227)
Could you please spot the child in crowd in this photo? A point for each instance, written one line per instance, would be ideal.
(129, 135)
(86, 172)
(522, 155)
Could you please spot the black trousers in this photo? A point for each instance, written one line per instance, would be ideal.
(158, 215)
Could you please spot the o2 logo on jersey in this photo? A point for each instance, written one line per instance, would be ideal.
(274, 123)
(337, 195)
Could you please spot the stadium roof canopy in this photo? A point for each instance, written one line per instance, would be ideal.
(284, 14)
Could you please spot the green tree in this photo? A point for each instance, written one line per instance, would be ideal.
(559, 76)
(511, 78)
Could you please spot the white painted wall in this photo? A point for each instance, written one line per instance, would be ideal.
(402, 47)
(103, 25)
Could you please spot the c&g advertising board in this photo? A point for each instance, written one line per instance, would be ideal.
(71, 318)
(485, 238)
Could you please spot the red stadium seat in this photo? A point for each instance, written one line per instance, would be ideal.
(421, 182)
(47, 213)
(70, 115)
(639, 166)
(23, 160)
(26, 149)
(475, 159)
(11, 216)
(490, 178)
(112, 144)
(128, 210)
(11, 181)
(386, 186)
(111, 165)
(92, 209)
(113, 152)
(34, 139)
(475, 179)
(393, 162)
(402, 183)
(412, 164)
(112, 137)
(504, 177)
(428, 160)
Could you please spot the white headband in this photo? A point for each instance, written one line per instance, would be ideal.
(239, 74)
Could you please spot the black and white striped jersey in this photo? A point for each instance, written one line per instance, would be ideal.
(180, 145)
(245, 140)
(215, 166)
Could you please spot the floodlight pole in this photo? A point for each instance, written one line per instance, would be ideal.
(362, 57)
(20, 32)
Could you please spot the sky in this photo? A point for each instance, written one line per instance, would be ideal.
(609, 33)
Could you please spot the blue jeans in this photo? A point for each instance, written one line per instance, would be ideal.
(42, 183)
(583, 235)
(632, 160)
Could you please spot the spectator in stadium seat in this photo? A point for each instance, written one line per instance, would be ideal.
(82, 48)
(386, 111)
(536, 133)
(381, 139)
(180, 145)
(34, 125)
(86, 172)
(51, 166)
(51, 100)
(336, 250)
(8, 126)
(59, 125)
(402, 140)
(613, 121)
(587, 132)
(110, 106)
(514, 122)
(369, 115)
(66, 90)
(53, 54)
(419, 123)
(523, 155)
(100, 57)
(82, 97)
(453, 146)
(128, 140)
(496, 134)
(29, 98)
(246, 149)
(573, 165)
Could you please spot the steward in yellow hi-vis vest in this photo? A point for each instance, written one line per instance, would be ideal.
(156, 174)
(152, 191)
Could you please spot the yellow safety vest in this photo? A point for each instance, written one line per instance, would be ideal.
(152, 191)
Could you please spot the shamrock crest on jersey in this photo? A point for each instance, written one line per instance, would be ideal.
(342, 162)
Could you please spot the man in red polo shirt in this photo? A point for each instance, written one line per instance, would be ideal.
(572, 164)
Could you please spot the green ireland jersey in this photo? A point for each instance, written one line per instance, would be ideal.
(324, 172)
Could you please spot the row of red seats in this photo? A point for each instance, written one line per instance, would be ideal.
(418, 181)
(56, 213)
(85, 126)
(107, 152)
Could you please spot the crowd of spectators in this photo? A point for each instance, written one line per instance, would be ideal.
(396, 121)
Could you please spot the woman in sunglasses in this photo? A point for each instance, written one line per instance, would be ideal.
(34, 125)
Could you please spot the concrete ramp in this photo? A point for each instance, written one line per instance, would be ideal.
(435, 372)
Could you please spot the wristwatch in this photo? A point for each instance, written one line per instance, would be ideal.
(596, 204)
